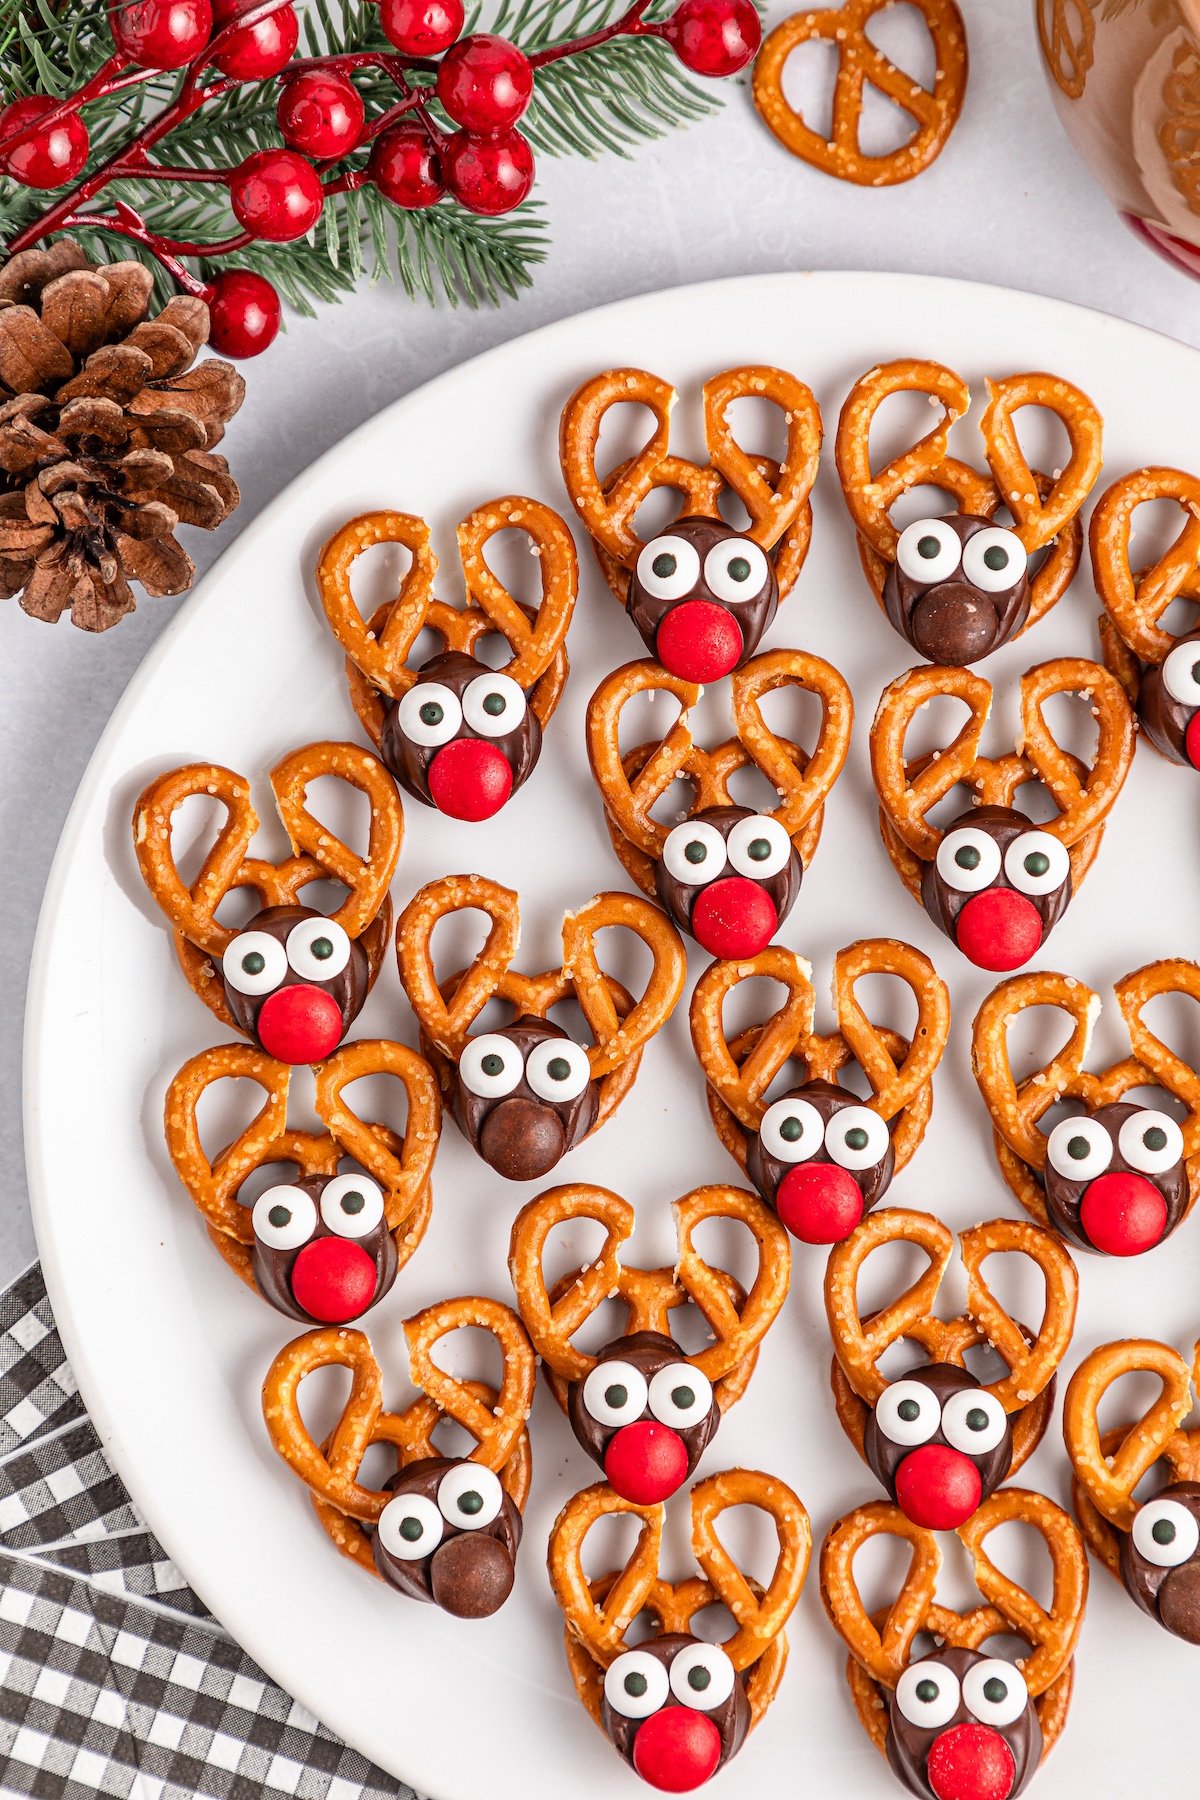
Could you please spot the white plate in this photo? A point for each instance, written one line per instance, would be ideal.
(168, 1347)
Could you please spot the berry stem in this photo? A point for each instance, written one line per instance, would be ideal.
(630, 24)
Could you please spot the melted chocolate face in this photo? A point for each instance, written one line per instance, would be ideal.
(645, 1691)
(295, 982)
(1160, 1559)
(730, 877)
(463, 738)
(1115, 1178)
(1169, 703)
(959, 1713)
(450, 1535)
(524, 1096)
(939, 1443)
(998, 886)
(702, 595)
(821, 1159)
(322, 1249)
(645, 1414)
(958, 589)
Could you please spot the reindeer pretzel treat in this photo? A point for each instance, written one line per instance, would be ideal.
(990, 878)
(526, 1094)
(1160, 667)
(939, 1439)
(700, 593)
(441, 1528)
(642, 1407)
(960, 585)
(678, 1707)
(1115, 1177)
(1152, 1545)
(860, 62)
(819, 1155)
(727, 875)
(955, 1722)
(325, 1246)
(292, 979)
(456, 733)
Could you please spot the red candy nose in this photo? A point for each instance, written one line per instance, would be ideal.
(699, 641)
(677, 1749)
(971, 1762)
(333, 1280)
(938, 1487)
(469, 779)
(1122, 1214)
(1191, 740)
(999, 929)
(646, 1462)
(819, 1203)
(734, 917)
(300, 1024)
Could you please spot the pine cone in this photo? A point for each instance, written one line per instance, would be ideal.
(106, 435)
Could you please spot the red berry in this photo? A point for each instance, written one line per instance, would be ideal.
(258, 51)
(677, 1749)
(299, 1024)
(714, 37)
(1191, 741)
(243, 313)
(971, 1762)
(646, 1462)
(734, 917)
(160, 34)
(699, 641)
(276, 194)
(938, 1487)
(50, 157)
(320, 114)
(421, 27)
(333, 1280)
(819, 1203)
(484, 82)
(404, 167)
(488, 175)
(469, 779)
(1123, 1214)
(999, 929)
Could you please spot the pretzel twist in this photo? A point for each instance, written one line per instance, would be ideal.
(1136, 602)
(1109, 1468)
(1067, 32)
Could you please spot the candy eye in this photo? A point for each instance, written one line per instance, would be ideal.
(668, 568)
(1150, 1142)
(1036, 863)
(284, 1218)
(736, 570)
(694, 853)
(1079, 1149)
(857, 1138)
(352, 1205)
(907, 1412)
(929, 551)
(318, 949)
(410, 1527)
(493, 705)
(1165, 1533)
(255, 963)
(558, 1070)
(792, 1130)
(680, 1396)
(636, 1684)
(974, 1422)
(1181, 674)
(759, 848)
(702, 1676)
(615, 1393)
(968, 860)
(994, 560)
(469, 1496)
(995, 1692)
(490, 1066)
(928, 1695)
(429, 714)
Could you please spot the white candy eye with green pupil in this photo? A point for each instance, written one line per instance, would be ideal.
(668, 568)
(759, 848)
(1165, 1533)
(994, 560)
(694, 853)
(907, 1413)
(994, 1692)
(928, 1694)
(615, 1393)
(490, 1066)
(1181, 674)
(1150, 1141)
(255, 963)
(493, 705)
(791, 1130)
(636, 1685)
(1079, 1149)
(968, 860)
(736, 570)
(352, 1205)
(558, 1070)
(974, 1422)
(857, 1138)
(318, 949)
(680, 1396)
(469, 1496)
(284, 1217)
(1036, 863)
(929, 551)
(410, 1527)
(702, 1676)
(430, 714)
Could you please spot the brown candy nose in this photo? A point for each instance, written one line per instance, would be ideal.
(951, 624)
(1179, 1602)
(471, 1575)
(522, 1139)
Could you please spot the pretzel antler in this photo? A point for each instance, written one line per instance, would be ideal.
(1108, 1470)
(495, 1428)
(1136, 601)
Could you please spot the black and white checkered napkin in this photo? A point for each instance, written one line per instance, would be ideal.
(113, 1678)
